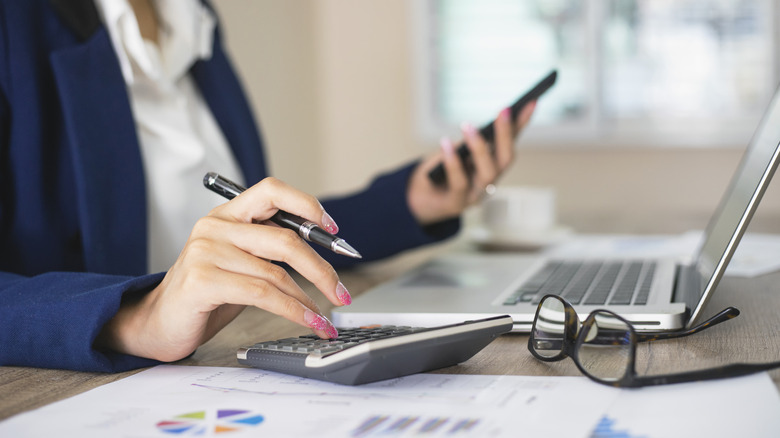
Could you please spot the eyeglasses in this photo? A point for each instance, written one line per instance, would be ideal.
(604, 346)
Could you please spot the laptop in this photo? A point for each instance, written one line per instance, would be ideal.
(654, 294)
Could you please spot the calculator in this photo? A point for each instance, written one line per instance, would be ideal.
(369, 354)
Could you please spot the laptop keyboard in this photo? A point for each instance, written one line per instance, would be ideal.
(589, 282)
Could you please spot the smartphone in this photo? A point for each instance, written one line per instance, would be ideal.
(439, 177)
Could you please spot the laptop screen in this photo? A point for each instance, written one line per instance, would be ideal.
(738, 203)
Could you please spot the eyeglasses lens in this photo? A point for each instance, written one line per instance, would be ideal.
(549, 329)
(605, 352)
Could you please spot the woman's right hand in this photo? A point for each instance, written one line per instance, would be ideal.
(226, 265)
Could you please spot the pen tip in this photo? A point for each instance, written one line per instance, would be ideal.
(342, 247)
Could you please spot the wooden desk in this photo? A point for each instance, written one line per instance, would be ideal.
(752, 337)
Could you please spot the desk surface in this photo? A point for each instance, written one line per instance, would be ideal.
(752, 337)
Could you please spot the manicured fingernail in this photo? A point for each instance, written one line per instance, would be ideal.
(329, 223)
(446, 146)
(343, 294)
(528, 111)
(505, 114)
(319, 322)
(468, 129)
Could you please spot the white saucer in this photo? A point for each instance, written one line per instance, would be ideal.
(525, 241)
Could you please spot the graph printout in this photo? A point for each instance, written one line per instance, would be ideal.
(182, 401)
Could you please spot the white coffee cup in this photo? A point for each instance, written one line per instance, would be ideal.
(519, 210)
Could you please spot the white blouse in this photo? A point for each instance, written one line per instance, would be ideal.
(179, 138)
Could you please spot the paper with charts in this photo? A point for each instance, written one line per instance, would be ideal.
(173, 401)
(234, 402)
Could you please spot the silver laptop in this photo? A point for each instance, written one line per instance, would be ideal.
(656, 294)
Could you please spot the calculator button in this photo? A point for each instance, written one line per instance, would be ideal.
(264, 344)
(349, 337)
(327, 343)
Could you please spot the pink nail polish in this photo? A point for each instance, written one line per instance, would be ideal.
(530, 110)
(505, 114)
(329, 224)
(447, 147)
(468, 129)
(343, 294)
(319, 322)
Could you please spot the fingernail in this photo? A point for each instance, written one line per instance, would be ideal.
(505, 114)
(446, 146)
(319, 322)
(343, 294)
(329, 223)
(468, 129)
(528, 111)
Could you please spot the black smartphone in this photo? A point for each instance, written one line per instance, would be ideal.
(439, 177)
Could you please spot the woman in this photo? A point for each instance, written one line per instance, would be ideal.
(108, 111)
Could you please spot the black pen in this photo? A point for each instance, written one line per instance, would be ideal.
(306, 229)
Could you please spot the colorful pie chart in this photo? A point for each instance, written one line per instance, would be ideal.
(210, 422)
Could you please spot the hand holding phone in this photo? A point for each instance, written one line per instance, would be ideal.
(439, 177)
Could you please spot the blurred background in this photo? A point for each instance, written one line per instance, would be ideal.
(654, 104)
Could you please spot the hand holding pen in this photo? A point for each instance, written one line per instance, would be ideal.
(306, 229)
(228, 263)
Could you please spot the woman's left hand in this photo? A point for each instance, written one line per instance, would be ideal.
(430, 203)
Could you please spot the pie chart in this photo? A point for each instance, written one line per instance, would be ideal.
(210, 422)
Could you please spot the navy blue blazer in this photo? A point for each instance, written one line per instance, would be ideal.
(73, 235)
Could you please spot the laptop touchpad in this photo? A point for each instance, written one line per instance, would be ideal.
(456, 275)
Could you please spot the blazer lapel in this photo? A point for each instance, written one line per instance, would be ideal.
(81, 16)
(107, 160)
(105, 151)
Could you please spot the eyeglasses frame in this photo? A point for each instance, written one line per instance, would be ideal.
(575, 333)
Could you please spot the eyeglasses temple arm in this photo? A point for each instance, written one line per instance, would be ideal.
(724, 315)
(734, 370)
